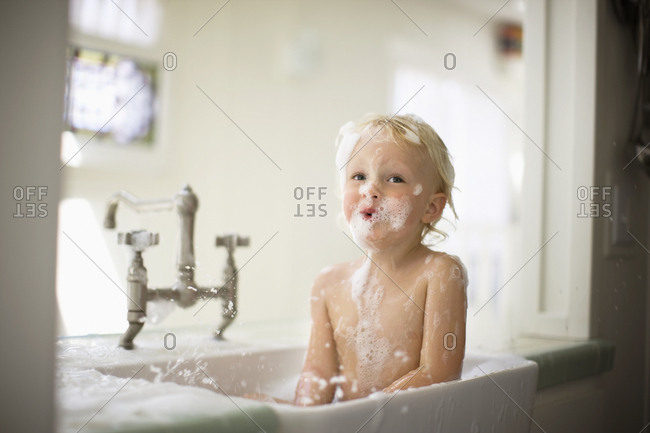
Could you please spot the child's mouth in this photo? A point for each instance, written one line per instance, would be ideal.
(367, 213)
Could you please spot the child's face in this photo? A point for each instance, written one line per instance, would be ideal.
(388, 193)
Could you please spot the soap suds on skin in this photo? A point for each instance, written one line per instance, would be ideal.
(436, 320)
(402, 355)
(373, 351)
(396, 210)
(417, 190)
(359, 280)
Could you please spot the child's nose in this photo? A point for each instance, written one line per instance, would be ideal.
(372, 190)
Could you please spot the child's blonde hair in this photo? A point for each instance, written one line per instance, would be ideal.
(404, 130)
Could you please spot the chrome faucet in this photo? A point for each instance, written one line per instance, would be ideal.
(184, 291)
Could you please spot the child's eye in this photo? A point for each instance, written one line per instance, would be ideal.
(359, 176)
(395, 179)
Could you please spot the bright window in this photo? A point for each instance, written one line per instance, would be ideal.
(110, 95)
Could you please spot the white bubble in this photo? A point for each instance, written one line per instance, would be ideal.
(338, 379)
(346, 146)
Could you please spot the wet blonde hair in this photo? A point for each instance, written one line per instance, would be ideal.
(405, 130)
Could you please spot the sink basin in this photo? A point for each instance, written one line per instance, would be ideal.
(495, 393)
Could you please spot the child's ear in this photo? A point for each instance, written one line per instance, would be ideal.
(433, 212)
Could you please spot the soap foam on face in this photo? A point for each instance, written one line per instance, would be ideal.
(391, 210)
(396, 211)
(346, 144)
(343, 155)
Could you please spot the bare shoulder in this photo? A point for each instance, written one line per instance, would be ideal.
(444, 267)
(333, 276)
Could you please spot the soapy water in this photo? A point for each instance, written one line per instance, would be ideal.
(82, 397)
(158, 310)
(107, 358)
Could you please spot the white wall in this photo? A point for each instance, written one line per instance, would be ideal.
(32, 45)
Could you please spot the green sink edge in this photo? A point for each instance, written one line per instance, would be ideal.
(579, 361)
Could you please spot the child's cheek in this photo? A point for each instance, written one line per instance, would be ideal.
(349, 203)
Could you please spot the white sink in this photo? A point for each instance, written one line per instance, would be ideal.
(495, 393)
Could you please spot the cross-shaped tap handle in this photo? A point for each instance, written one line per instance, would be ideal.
(139, 240)
(233, 240)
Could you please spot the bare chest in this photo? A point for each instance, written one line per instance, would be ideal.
(378, 329)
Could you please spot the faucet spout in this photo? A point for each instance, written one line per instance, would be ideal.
(186, 204)
(135, 203)
(126, 340)
(184, 292)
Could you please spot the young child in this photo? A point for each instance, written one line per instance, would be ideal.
(395, 318)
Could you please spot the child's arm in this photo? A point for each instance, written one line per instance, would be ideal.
(321, 364)
(443, 338)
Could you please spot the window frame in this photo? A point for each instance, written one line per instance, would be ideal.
(560, 53)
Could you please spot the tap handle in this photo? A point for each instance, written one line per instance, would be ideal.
(232, 240)
(139, 240)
